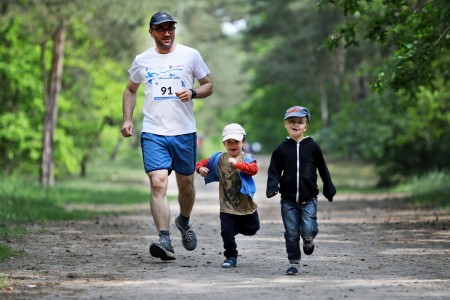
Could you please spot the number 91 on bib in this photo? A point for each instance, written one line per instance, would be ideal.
(165, 88)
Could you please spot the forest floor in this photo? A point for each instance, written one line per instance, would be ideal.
(369, 247)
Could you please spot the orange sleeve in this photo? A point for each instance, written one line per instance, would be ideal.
(201, 163)
(249, 169)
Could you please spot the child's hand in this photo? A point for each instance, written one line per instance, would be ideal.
(203, 171)
(271, 194)
(232, 161)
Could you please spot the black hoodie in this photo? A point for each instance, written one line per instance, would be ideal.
(293, 171)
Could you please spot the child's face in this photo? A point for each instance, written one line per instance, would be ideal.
(233, 147)
(295, 127)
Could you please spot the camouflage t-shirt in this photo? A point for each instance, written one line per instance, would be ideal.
(231, 199)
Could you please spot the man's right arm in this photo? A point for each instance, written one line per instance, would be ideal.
(128, 104)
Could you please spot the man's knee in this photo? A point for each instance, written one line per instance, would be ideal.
(187, 189)
(185, 184)
(158, 180)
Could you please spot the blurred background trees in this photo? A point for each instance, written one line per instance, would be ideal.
(374, 75)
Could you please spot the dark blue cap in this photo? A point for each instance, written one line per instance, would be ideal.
(161, 17)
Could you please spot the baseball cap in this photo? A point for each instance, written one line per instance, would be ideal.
(233, 131)
(297, 111)
(161, 17)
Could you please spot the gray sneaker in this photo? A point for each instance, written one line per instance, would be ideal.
(162, 249)
(188, 238)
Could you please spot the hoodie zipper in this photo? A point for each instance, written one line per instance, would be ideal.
(297, 193)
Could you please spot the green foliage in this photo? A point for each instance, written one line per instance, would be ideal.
(224, 57)
(92, 81)
(361, 130)
(350, 176)
(20, 137)
(401, 44)
(288, 66)
(431, 189)
(257, 126)
(400, 140)
(421, 140)
(277, 61)
(20, 143)
(95, 87)
(416, 31)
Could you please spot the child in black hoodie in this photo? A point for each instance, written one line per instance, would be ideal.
(292, 173)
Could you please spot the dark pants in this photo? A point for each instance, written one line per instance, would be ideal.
(231, 225)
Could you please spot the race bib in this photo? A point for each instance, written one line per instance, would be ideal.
(165, 88)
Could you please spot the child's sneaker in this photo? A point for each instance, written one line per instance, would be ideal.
(308, 247)
(229, 262)
(162, 249)
(293, 269)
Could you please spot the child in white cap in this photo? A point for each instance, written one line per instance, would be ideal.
(233, 170)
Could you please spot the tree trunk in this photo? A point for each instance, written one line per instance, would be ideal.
(51, 94)
(94, 145)
(338, 70)
(116, 149)
(323, 104)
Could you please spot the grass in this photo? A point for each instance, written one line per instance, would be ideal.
(431, 189)
(6, 252)
(25, 202)
(3, 281)
(353, 176)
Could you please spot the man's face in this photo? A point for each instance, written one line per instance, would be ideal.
(163, 34)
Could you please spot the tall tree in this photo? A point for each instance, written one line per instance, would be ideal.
(51, 90)
(29, 27)
(48, 21)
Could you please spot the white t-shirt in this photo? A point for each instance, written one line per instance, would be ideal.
(163, 75)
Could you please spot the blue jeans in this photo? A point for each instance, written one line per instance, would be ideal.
(299, 219)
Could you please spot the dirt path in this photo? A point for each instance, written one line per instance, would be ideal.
(376, 247)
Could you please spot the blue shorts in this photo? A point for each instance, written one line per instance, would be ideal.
(169, 152)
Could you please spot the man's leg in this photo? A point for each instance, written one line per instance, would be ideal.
(186, 193)
(186, 199)
(159, 207)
